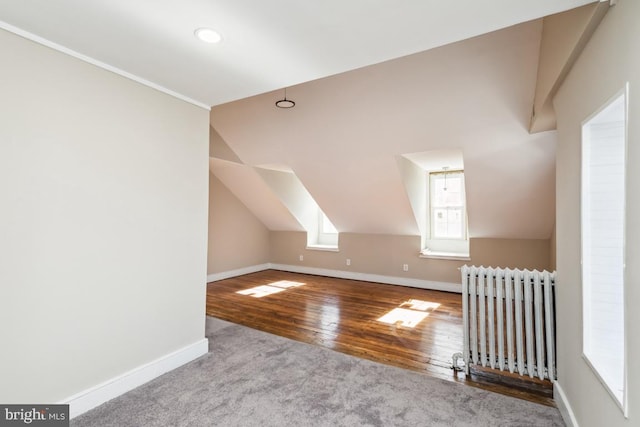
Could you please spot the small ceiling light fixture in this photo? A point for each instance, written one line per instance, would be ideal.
(445, 169)
(285, 103)
(208, 35)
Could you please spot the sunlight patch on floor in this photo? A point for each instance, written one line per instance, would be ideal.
(286, 284)
(270, 289)
(409, 313)
(408, 318)
(416, 304)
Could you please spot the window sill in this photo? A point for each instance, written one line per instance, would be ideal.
(328, 248)
(453, 256)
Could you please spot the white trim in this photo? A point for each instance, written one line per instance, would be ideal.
(453, 256)
(328, 248)
(94, 396)
(585, 246)
(237, 272)
(55, 46)
(341, 274)
(563, 406)
(433, 176)
(605, 383)
(378, 278)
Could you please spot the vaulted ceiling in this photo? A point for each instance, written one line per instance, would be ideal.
(266, 44)
(372, 79)
(346, 132)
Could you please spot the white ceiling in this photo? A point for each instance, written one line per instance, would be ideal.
(344, 136)
(267, 44)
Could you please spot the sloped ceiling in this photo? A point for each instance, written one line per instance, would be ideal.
(344, 135)
(346, 131)
(266, 44)
(247, 185)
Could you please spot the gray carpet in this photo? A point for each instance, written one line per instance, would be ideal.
(251, 378)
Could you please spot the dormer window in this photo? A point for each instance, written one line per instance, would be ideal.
(446, 220)
(435, 184)
(327, 232)
(447, 205)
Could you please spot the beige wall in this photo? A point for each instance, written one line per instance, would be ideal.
(236, 238)
(346, 157)
(385, 254)
(532, 254)
(609, 60)
(563, 37)
(552, 249)
(103, 223)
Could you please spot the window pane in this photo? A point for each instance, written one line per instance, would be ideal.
(603, 216)
(447, 206)
(448, 191)
(327, 226)
(448, 223)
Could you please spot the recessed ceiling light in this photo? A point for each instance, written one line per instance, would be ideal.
(208, 35)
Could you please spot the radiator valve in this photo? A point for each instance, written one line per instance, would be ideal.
(455, 358)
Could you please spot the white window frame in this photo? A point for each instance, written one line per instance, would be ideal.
(433, 176)
(589, 354)
(445, 248)
(326, 237)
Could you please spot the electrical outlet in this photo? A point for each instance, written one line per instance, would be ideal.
(405, 267)
(348, 261)
(301, 258)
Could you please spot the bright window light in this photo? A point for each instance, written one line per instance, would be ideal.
(327, 226)
(603, 245)
(416, 304)
(327, 232)
(286, 284)
(415, 312)
(447, 201)
(261, 291)
(408, 318)
(270, 289)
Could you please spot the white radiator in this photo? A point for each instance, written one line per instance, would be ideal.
(509, 320)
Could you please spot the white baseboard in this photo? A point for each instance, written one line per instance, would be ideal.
(378, 278)
(563, 405)
(341, 274)
(237, 272)
(101, 393)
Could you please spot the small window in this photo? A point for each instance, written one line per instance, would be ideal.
(327, 232)
(447, 205)
(603, 246)
(326, 227)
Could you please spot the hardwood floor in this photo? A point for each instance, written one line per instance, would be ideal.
(343, 315)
